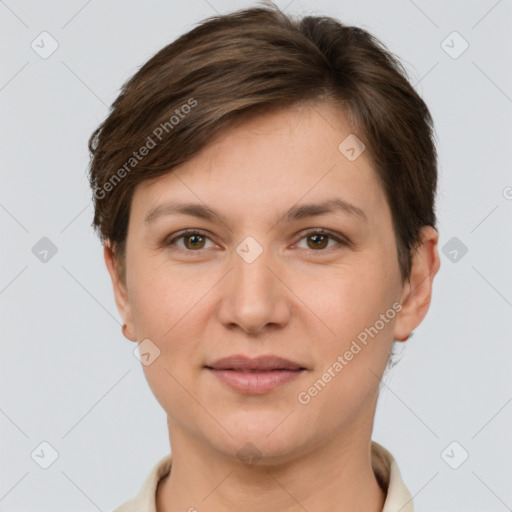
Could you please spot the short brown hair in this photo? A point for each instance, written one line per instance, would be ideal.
(234, 66)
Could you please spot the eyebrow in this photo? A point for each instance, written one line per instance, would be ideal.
(296, 212)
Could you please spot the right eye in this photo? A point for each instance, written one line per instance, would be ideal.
(194, 240)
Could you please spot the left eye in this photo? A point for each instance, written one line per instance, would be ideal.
(196, 240)
(320, 237)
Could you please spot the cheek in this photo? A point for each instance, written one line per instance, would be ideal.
(356, 304)
(350, 361)
(164, 312)
(161, 301)
(164, 308)
(175, 394)
(348, 298)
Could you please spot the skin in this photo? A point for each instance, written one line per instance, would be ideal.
(295, 300)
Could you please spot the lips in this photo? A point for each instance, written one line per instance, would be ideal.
(255, 376)
(241, 363)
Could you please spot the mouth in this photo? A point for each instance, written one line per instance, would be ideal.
(255, 375)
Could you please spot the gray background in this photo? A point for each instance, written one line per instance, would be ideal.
(69, 377)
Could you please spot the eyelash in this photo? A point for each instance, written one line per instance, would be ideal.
(188, 232)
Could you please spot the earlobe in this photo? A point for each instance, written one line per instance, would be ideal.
(120, 291)
(417, 293)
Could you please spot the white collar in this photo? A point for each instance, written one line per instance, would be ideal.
(398, 497)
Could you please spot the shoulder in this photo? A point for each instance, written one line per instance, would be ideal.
(145, 499)
(390, 479)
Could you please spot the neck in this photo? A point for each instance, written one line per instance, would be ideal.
(337, 476)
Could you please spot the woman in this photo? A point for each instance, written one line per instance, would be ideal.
(264, 188)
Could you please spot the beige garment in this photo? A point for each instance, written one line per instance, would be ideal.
(398, 498)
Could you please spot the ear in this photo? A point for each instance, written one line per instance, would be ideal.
(417, 293)
(120, 291)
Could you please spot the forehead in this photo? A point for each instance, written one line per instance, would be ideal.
(298, 154)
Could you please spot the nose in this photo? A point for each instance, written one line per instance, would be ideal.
(254, 297)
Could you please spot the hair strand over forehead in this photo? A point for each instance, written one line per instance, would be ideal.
(234, 66)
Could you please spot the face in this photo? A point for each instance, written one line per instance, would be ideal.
(267, 277)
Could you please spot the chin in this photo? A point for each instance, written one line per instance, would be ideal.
(262, 436)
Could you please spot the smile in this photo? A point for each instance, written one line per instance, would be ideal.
(255, 375)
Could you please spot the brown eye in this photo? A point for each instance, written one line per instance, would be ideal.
(192, 241)
(318, 241)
